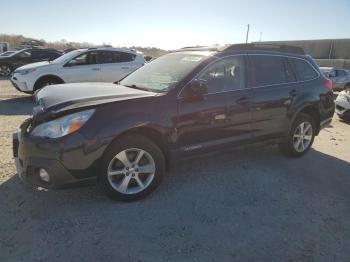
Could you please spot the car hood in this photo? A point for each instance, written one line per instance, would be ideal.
(34, 65)
(71, 96)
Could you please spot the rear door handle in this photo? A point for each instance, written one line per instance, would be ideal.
(243, 100)
(96, 69)
(294, 92)
(125, 67)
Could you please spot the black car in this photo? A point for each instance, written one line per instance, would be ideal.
(186, 102)
(25, 56)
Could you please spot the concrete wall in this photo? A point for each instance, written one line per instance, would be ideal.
(321, 49)
(327, 52)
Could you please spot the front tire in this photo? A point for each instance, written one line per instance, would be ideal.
(5, 70)
(132, 168)
(300, 137)
(46, 82)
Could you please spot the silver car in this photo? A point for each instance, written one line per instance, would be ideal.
(339, 77)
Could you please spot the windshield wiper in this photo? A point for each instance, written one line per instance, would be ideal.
(140, 88)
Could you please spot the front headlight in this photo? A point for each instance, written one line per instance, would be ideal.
(63, 126)
(25, 71)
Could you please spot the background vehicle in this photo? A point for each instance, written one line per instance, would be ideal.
(342, 105)
(83, 65)
(25, 56)
(4, 46)
(183, 103)
(339, 77)
(7, 53)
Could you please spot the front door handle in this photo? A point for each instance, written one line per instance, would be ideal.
(125, 67)
(96, 69)
(220, 117)
(294, 92)
(243, 100)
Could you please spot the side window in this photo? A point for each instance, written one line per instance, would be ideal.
(225, 75)
(107, 57)
(270, 70)
(38, 54)
(84, 59)
(341, 73)
(303, 69)
(24, 54)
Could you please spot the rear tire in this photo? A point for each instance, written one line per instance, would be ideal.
(300, 137)
(132, 167)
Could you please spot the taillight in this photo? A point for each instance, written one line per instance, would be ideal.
(329, 85)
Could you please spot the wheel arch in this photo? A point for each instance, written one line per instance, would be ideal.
(313, 112)
(47, 76)
(152, 134)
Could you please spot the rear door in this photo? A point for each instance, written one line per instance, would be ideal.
(82, 68)
(274, 87)
(220, 117)
(115, 65)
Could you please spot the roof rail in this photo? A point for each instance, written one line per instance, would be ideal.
(198, 48)
(266, 47)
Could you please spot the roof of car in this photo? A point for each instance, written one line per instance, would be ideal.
(266, 48)
(111, 49)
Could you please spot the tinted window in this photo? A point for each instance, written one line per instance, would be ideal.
(303, 69)
(24, 54)
(225, 75)
(37, 54)
(106, 57)
(270, 70)
(340, 73)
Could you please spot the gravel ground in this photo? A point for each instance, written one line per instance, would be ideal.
(248, 204)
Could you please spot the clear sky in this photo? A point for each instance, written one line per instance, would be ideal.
(177, 23)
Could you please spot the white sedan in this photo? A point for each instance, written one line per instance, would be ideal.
(82, 65)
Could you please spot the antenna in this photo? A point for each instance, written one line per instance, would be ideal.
(246, 39)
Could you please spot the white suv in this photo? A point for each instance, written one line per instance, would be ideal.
(83, 65)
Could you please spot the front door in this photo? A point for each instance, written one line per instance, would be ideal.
(223, 114)
(83, 68)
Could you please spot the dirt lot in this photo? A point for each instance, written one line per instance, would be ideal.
(249, 204)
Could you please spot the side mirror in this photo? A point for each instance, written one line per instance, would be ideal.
(195, 90)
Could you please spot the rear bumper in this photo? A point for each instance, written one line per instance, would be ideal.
(325, 123)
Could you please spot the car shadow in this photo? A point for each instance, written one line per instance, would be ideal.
(251, 195)
(22, 105)
(5, 77)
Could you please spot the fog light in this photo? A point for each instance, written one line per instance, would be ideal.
(44, 175)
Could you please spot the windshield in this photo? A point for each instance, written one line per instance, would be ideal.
(164, 72)
(67, 56)
(7, 53)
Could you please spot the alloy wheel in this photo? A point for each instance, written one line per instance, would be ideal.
(302, 136)
(5, 70)
(131, 171)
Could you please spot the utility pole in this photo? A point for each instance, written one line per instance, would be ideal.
(260, 37)
(246, 39)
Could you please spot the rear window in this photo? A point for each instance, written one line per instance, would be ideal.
(107, 57)
(303, 69)
(270, 70)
